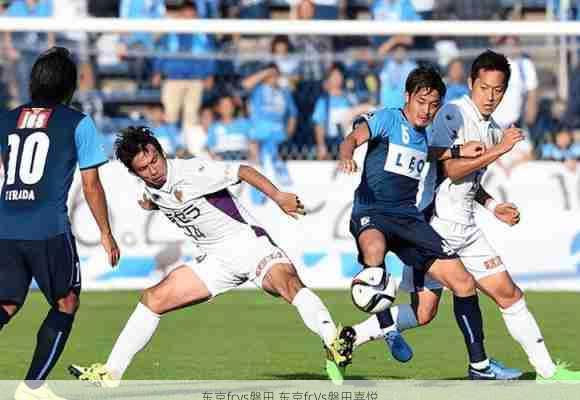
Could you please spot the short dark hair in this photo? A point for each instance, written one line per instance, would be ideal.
(53, 78)
(132, 141)
(425, 77)
(491, 61)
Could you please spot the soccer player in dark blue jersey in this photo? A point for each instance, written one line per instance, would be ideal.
(41, 144)
(385, 217)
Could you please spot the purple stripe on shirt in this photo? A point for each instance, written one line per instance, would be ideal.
(224, 202)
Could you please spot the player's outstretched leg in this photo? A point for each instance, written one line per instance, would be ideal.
(181, 288)
(452, 273)
(523, 327)
(282, 280)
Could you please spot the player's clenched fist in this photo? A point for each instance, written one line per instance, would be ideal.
(507, 213)
(290, 204)
(472, 149)
(510, 137)
(348, 166)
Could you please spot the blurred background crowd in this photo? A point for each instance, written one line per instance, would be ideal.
(269, 99)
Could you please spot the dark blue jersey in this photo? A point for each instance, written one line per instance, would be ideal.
(41, 146)
(396, 155)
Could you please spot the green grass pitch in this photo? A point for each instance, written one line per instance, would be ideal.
(249, 335)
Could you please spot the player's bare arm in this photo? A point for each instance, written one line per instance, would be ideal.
(507, 213)
(357, 137)
(289, 203)
(472, 149)
(95, 196)
(457, 169)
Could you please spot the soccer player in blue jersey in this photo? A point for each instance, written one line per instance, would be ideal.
(385, 217)
(40, 145)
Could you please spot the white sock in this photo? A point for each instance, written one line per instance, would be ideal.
(403, 316)
(315, 315)
(137, 332)
(367, 331)
(523, 327)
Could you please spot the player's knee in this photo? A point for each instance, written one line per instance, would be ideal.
(68, 304)
(154, 300)
(373, 254)
(509, 296)
(286, 283)
(426, 314)
(463, 284)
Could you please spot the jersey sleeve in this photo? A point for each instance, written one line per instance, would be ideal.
(211, 137)
(447, 128)
(319, 115)
(530, 77)
(291, 105)
(90, 144)
(378, 122)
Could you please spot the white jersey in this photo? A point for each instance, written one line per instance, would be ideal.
(459, 122)
(196, 198)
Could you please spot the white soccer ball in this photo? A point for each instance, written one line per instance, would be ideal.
(373, 290)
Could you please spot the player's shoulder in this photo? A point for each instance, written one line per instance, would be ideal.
(451, 114)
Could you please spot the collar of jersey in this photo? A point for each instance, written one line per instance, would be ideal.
(474, 109)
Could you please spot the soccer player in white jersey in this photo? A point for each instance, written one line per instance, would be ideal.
(194, 195)
(465, 119)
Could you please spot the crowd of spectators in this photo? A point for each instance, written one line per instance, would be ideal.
(267, 99)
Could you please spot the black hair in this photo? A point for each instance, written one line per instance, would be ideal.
(491, 61)
(132, 141)
(53, 78)
(425, 77)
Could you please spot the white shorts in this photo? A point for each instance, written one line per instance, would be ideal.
(248, 260)
(469, 242)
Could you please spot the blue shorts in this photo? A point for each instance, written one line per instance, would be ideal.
(411, 238)
(53, 263)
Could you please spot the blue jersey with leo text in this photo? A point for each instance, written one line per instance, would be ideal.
(396, 156)
(41, 146)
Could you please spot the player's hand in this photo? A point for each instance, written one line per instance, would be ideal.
(511, 136)
(472, 149)
(348, 166)
(147, 204)
(110, 245)
(290, 204)
(507, 213)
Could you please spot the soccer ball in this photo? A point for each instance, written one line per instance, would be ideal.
(373, 290)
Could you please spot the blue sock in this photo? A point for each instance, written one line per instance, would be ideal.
(385, 318)
(468, 317)
(50, 342)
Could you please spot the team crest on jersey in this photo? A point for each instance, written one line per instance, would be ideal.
(179, 195)
(34, 118)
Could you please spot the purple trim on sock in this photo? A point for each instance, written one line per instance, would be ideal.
(223, 201)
